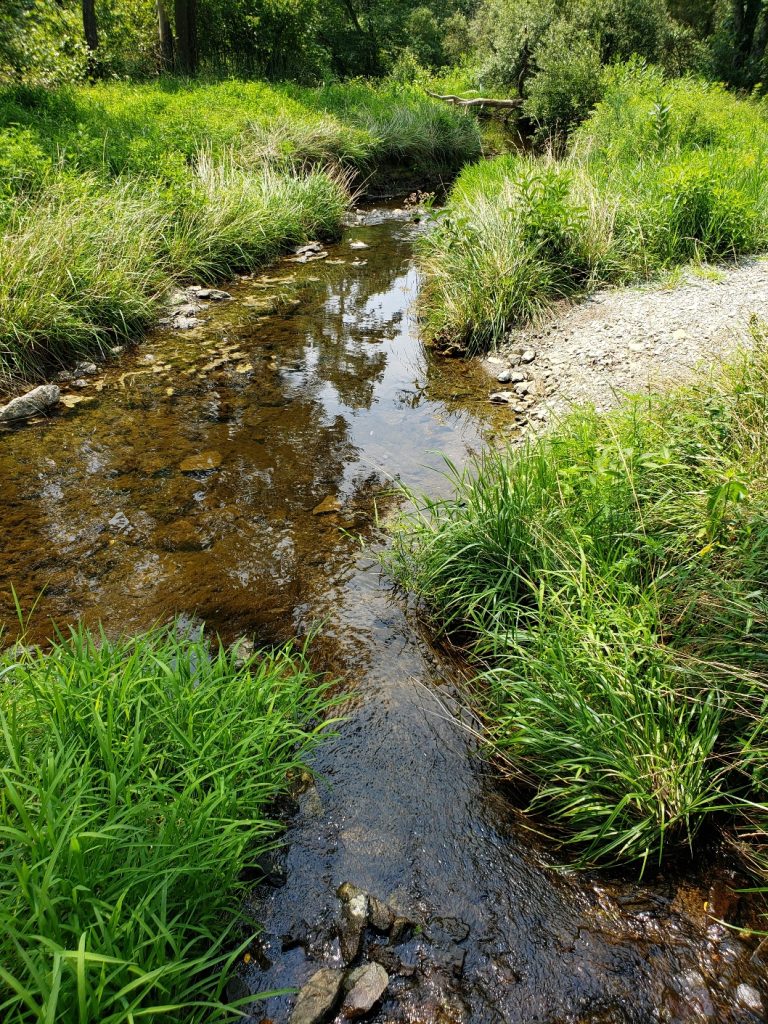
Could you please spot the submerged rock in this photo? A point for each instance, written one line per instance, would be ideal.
(204, 462)
(327, 506)
(32, 404)
(365, 986)
(317, 998)
(380, 915)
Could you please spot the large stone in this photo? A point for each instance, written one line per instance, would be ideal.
(365, 986)
(32, 404)
(317, 999)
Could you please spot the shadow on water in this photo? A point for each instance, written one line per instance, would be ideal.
(228, 472)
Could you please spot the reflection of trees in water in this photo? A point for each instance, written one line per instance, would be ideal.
(239, 546)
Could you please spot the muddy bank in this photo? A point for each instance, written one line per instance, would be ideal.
(628, 340)
(236, 470)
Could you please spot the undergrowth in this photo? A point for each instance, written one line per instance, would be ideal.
(137, 783)
(662, 173)
(609, 581)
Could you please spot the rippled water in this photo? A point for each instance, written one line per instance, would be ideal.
(312, 388)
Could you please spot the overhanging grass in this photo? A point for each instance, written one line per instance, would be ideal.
(663, 172)
(137, 783)
(610, 583)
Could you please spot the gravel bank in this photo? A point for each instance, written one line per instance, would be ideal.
(628, 340)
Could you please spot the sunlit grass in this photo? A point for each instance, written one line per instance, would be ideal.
(609, 582)
(137, 783)
(661, 174)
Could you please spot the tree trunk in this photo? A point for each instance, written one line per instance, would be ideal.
(185, 12)
(165, 37)
(91, 32)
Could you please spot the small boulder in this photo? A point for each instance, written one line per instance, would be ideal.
(213, 294)
(316, 1000)
(32, 404)
(528, 356)
(365, 986)
(354, 918)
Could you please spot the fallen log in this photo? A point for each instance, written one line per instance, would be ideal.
(477, 101)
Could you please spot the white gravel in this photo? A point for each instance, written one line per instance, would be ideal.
(631, 339)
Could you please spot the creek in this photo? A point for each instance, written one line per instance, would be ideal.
(238, 472)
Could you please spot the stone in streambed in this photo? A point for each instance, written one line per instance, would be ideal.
(213, 294)
(365, 986)
(354, 918)
(380, 916)
(202, 463)
(316, 1000)
(326, 507)
(32, 404)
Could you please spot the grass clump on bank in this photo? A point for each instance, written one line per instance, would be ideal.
(110, 194)
(610, 583)
(662, 173)
(137, 782)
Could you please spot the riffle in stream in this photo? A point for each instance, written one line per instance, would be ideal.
(228, 472)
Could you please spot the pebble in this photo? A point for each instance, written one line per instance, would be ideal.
(749, 998)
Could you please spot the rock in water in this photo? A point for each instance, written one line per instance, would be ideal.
(354, 918)
(32, 404)
(365, 986)
(316, 1000)
(202, 463)
(327, 506)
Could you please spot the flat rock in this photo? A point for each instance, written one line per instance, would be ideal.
(32, 404)
(327, 506)
(365, 986)
(316, 1000)
(204, 462)
(213, 294)
(358, 245)
(86, 369)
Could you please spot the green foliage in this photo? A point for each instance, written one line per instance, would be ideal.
(608, 581)
(568, 82)
(660, 173)
(138, 781)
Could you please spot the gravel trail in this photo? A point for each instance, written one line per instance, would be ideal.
(628, 340)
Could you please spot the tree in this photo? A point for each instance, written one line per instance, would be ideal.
(185, 16)
(165, 37)
(91, 32)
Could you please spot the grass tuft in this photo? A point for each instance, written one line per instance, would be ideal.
(138, 779)
(609, 582)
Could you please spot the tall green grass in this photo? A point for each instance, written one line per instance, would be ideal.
(109, 194)
(609, 581)
(662, 172)
(138, 781)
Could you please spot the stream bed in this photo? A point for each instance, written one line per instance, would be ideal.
(237, 471)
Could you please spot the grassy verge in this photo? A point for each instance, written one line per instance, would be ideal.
(137, 781)
(110, 194)
(662, 172)
(610, 583)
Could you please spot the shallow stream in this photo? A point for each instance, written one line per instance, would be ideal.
(230, 472)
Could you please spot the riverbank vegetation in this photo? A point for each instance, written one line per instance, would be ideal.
(111, 194)
(661, 173)
(139, 780)
(608, 582)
